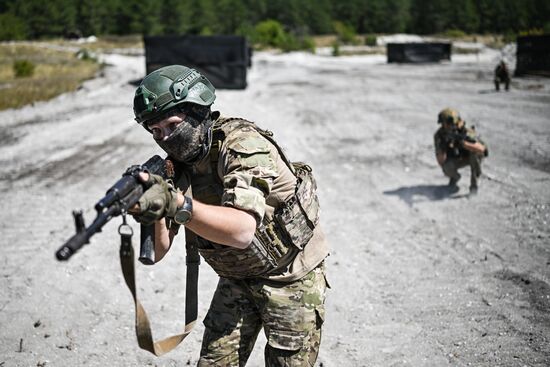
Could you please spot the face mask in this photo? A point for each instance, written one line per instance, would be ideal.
(189, 142)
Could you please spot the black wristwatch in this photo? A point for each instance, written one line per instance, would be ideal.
(185, 212)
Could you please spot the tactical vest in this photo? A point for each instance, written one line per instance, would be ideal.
(277, 241)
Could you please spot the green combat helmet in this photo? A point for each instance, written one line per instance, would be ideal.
(168, 87)
(448, 115)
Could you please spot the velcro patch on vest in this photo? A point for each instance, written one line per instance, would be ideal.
(253, 152)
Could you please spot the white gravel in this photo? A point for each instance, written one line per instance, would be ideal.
(418, 277)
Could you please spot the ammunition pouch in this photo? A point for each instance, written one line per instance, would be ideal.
(300, 214)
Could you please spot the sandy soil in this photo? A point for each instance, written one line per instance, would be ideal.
(419, 277)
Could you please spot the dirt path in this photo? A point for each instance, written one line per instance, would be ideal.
(419, 278)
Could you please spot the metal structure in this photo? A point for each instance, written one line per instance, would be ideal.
(533, 55)
(418, 52)
(222, 59)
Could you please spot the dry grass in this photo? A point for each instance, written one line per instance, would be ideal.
(489, 40)
(56, 72)
(325, 40)
(106, 43)
(329, 40)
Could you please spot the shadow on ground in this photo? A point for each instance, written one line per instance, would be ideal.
(486, 91)
(419, 193)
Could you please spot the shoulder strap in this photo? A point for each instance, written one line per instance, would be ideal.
(267, 134)
(143, 327)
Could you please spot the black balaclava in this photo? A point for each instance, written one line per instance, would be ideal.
(190, 142)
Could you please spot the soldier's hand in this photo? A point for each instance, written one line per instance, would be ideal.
(159, 201)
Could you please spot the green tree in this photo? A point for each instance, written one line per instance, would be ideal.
(96, 17)
(428, 16)
(462, 14)
(137, 16)
(387, 16)
(299, 18)
(12, 27)
(354, 13)
(511, 16)
(46, 18)
(171, 17)
(316, 17)
(539, 14)
(231, 15)
(199, 16)
(270, 33)
(485, 11)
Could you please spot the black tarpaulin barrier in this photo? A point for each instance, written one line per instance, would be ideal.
(533, 55)
(222, 59)
(418, 52)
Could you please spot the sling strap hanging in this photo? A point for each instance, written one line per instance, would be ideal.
(143, 327)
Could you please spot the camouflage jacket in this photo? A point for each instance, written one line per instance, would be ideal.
(444, 143)
(246, 170)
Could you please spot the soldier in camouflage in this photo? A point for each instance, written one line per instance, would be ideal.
(502, 76)
(255, 215)
(458, 146)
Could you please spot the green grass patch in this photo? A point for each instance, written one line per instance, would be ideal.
(23, 68)
(271, 34)
(55, 72)
(370, 40)
(454, 33)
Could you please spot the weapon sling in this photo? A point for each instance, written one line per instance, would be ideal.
(143, 327)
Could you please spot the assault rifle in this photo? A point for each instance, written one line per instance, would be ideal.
(459, 136)
(123, 195)
(454, 140)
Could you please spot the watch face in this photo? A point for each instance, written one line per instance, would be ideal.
(182, 216)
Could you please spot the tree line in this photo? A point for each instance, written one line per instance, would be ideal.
(36, 19)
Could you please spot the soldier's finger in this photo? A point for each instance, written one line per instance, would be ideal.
(134, 209)
(143, 176)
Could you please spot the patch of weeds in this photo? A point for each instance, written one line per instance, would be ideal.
(54, 72)
(23, 68)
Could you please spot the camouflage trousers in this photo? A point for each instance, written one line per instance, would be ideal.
(453, 164)
(290, 313)
(506, 83)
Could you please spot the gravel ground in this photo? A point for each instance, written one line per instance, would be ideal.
(419, 277)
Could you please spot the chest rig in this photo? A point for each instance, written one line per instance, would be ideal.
(277, 240)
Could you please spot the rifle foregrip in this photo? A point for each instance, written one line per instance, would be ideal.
(147, 248)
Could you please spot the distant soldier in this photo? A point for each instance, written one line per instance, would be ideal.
(502, 76)
(457, 146)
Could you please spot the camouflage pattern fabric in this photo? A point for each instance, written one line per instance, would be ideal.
(248, 172)
(299, 216)
(464, 157)
(502, 76)
(291, 314)
(501, 73)
(439, 139)
(452, 165)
